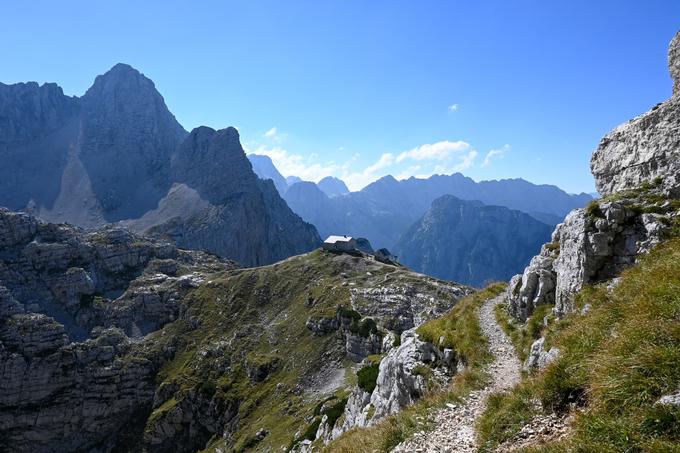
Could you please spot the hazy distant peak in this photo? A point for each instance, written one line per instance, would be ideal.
(333, 186)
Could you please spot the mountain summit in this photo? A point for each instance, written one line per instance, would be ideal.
(117, 154)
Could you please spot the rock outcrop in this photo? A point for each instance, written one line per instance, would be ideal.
(591, 246)
(636, 168)
(645, 149)
(405, 375)
(538, 357)
(73, 307)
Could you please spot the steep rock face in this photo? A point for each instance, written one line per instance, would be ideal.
(636, 169)
(245, 219)
(674, 63)
(471, 243)
(126, 140)
(72, 378)
(106, 153)
(36, 128)
(645, 148)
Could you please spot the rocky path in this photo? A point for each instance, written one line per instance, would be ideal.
(455, 425)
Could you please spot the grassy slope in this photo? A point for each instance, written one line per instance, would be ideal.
(461, 331)
(615, 363)
(253, 318)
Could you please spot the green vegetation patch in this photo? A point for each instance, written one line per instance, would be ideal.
(460, 329)
(615, 362)
(523, 335)
(367, 377)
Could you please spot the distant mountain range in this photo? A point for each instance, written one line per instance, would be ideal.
(510, 217)
(265, 169)
(117, 154)
(383, 210)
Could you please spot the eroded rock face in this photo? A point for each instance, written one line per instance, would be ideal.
(72, 379)
(646, 148)
(637, 169)
(406, 374)
(589, 247)
(674, 63)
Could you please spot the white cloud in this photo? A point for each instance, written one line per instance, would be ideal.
(453, 107)
(444, 157)
(290, 164)
(500, 152)
(408, 172)
(271, 133)
(443, 150)
(358, 180)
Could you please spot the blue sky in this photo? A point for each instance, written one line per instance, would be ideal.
(360, 89)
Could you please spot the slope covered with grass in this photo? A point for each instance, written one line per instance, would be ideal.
(246, 372)
(616, 362)
(461, 331)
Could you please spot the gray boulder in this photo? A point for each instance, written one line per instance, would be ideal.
(538, 357)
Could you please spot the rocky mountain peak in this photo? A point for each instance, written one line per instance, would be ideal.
(333, 186)
(123, 90)
(214, 163)
(674, 63)
(646, 149)
(121, 77)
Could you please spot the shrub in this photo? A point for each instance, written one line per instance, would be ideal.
(367, 377)
(593, 209)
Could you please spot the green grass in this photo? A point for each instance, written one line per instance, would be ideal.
(242, 343)
(460, 330)
(367, 377)
(615, 363)
(523, 335)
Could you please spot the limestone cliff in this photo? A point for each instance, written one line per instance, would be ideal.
(645, 148)
(636, 167)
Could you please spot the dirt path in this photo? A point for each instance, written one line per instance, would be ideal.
(455, 424)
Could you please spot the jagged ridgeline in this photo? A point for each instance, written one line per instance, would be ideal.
(117, 154)
(112, 341)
